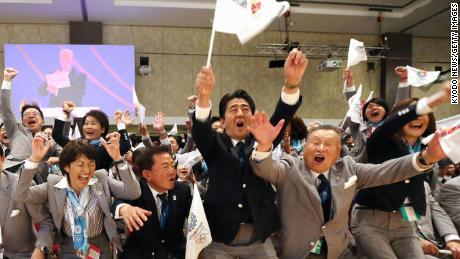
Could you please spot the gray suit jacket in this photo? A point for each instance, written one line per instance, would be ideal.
(18, 231)
(20, 137)
(55, 198)
(302, 221)
(450, 201)
(436, 224)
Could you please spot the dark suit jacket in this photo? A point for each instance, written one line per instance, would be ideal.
(103, 159)
(234, 196)
(152, 242)
(74, 93)
(383, 146)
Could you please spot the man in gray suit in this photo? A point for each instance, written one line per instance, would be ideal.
(436, 230)
(21, 134)
(449, 200)
(19, 238)
(314, 194)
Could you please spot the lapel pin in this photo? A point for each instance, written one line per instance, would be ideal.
(99, 192)
(174, 197)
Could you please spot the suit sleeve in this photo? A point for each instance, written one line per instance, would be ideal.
(7, 115)
(29, 194)
(188, 144)
(442, 222)
(128, 188)
(391, 171)
(204, 136)
(449, 201)
(402, 93)
(58, 133)
(125, 145)
(272, 171)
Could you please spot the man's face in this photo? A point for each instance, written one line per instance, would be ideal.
(162, 175)
(448, 170)
(321, 150)
(174, 145)
(4, 137)
(32, 120)
(48, 132)
(66, 60)
(237, 118)
(217, 127)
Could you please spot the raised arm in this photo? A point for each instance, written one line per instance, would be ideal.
(403, 90)
(6, 113)
(350, 89)
(60, 123)
(123, 120)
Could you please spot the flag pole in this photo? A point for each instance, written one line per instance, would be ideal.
(211, 46)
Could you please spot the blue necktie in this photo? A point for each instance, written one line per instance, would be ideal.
(164, 209)
(324, 191)
(240, 150)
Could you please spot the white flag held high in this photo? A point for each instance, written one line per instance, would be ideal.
(246, 18)
(450, 143)
(417, 77)
(173, 131)
(140, 109)
(198, 232)
(356, 53)
(354, 104)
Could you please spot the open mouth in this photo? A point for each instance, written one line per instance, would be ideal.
(32, 122)
(172, 179)
(240, 124)
(375, 114)
(84, 179)
(416, 125)
(319, 159)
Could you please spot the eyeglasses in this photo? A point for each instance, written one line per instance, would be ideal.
(27, 114)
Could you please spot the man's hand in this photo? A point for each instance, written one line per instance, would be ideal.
(401, 72)
(191, 101)
(117, 116)
(204, 85)
(348, 77)
(434, 151)
(428, 247)
(294, 68)
(159, 123)
(40, 146)
(37, 254)
(52, 160)
(142, 128)
(454, 247)
(68, 106)
(134, 217)
(263, 130)
(112, 145)
(9, 73)
(126, 118)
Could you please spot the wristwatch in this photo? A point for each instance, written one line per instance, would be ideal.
(422, 160)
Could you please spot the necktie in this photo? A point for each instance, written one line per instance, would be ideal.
(324, 191)
(164, 209)
(240, 150)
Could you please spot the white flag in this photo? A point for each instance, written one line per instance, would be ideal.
(450, 143)
(140, 109)
(198, 232)
(370, 96)
(246, 18)
(356, 53)
(189, 159)
(354, 107)
(417, 77)
(173, 131)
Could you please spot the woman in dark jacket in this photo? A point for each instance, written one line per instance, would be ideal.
(384, 217)
(95, 126)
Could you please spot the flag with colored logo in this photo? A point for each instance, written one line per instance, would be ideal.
(356, 53)
(417, 77)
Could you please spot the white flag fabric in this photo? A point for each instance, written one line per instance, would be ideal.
(75, 134)
(173, 131)
(370, 96)
(356, 53)
(198, 232)
(417, 77)
(140, 109)
(354, 107)
(189, 159)
(448, 122)
(450, 143)
(246, 18)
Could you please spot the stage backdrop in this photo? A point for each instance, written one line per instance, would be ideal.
(92, 76)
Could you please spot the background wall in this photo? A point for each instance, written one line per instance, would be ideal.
(176, 55)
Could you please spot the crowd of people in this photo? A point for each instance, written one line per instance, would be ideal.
(272, 187)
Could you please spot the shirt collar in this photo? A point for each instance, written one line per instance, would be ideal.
(63, 183)
(235, 141)
(315, 174)
(154, 192)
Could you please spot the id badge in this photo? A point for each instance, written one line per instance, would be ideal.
(317, 248)
(409, 214)
(94, 252)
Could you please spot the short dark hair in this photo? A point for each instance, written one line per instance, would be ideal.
(214, 119)
(337, 130)
(298, 128)
(44, 127)
(378, 101)
(443, 163)
(144, 159)
(404, 103)
(73, 150)
(237, 94)
(101, 117)
(34, 106)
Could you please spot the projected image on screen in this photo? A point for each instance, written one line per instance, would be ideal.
(96, 76)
